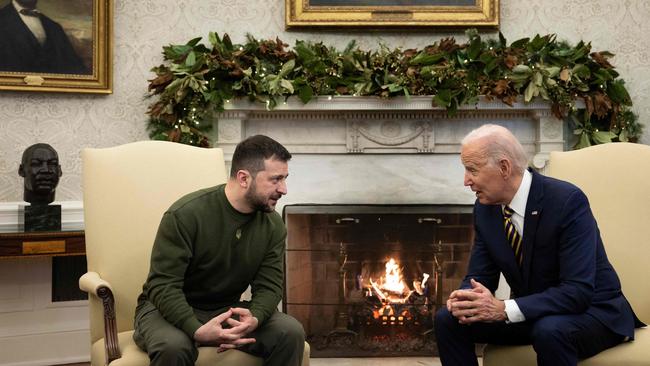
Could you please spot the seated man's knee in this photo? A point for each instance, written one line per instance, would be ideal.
(174, 348)
(549, 331)
(293, 330)
(444, 319)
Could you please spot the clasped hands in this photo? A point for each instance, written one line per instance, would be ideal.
(475, 305)
(213, 333)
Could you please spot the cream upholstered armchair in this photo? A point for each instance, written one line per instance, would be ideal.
(615, 178)
(126, 190)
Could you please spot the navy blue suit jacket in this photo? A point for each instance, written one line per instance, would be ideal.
(565, 269)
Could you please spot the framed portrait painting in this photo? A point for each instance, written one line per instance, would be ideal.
(392, 13)
(56, 45)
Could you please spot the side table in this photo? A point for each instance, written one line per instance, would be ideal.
(16, 243)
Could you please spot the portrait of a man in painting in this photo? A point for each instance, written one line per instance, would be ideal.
(392, 13)
(392, 2)
(46, 36)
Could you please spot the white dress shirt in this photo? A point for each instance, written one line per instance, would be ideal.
(518, 205)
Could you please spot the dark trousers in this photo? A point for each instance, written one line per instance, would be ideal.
(558, 340)
(280, 341)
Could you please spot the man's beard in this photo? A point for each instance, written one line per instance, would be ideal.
(257, 202)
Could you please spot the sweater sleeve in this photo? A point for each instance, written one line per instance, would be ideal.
(266, 287)
(172, 252)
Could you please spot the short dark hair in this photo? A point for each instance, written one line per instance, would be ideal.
(251, 153)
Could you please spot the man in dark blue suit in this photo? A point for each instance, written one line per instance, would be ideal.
(540, 233)
(32, 42)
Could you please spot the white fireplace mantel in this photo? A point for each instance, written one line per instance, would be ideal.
(372, 125)
(368, 150)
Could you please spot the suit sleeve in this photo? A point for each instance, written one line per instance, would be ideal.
(577, 246)
(482, 267)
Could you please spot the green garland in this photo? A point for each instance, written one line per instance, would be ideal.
(195, 80)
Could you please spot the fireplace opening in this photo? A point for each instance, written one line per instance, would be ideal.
(365, 280)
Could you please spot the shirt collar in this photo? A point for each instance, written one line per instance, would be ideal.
(518, 203)
(17, 6)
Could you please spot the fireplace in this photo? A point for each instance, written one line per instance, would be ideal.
(365, 280)
(354, 153)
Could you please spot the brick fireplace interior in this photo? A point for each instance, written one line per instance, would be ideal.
(365, 280)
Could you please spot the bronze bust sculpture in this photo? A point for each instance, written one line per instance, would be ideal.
(41, 169)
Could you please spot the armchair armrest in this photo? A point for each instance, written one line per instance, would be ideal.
(90, 282)
(93, 284)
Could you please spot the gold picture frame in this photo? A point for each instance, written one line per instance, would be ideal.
(73, 53)
(392, 13)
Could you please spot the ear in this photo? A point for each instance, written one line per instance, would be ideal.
(243, 178)
(21, 171)
(505, 168)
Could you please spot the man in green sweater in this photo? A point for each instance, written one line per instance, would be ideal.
(211, 245)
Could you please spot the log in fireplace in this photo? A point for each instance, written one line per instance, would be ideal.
(365, 280)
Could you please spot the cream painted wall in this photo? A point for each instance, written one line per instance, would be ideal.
(72, 122)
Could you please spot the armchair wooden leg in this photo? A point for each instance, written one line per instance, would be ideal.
(110, 326)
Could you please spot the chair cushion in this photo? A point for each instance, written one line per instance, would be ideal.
(133, 356)
(636, 353)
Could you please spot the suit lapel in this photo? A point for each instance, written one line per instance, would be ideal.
(531, 221)
(24, 35)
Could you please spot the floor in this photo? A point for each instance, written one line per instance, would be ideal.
(387, 361)
(393, 361)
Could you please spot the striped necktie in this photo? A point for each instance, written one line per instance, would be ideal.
(512, 235)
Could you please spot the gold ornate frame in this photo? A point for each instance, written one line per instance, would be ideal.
(484, 13)
(99, 80)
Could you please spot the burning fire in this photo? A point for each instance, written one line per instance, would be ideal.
(393, 279)
(391, 289)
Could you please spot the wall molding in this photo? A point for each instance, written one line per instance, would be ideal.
(46, 349)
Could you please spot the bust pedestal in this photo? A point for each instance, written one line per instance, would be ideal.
(41, 217)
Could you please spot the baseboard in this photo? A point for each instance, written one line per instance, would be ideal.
(46, 349)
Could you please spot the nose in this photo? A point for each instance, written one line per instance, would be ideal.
(467, 181)
(282, 187)
(44, 167)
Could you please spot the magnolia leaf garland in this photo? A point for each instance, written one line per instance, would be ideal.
(195, 80)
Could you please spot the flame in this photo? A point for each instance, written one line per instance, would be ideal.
(393, 281)
(391, 290)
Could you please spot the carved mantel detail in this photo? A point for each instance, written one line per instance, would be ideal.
(389, 136)
(360, 125)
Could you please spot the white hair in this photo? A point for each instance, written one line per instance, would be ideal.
(499, 144)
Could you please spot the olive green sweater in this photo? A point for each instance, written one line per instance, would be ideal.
(206, 254)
